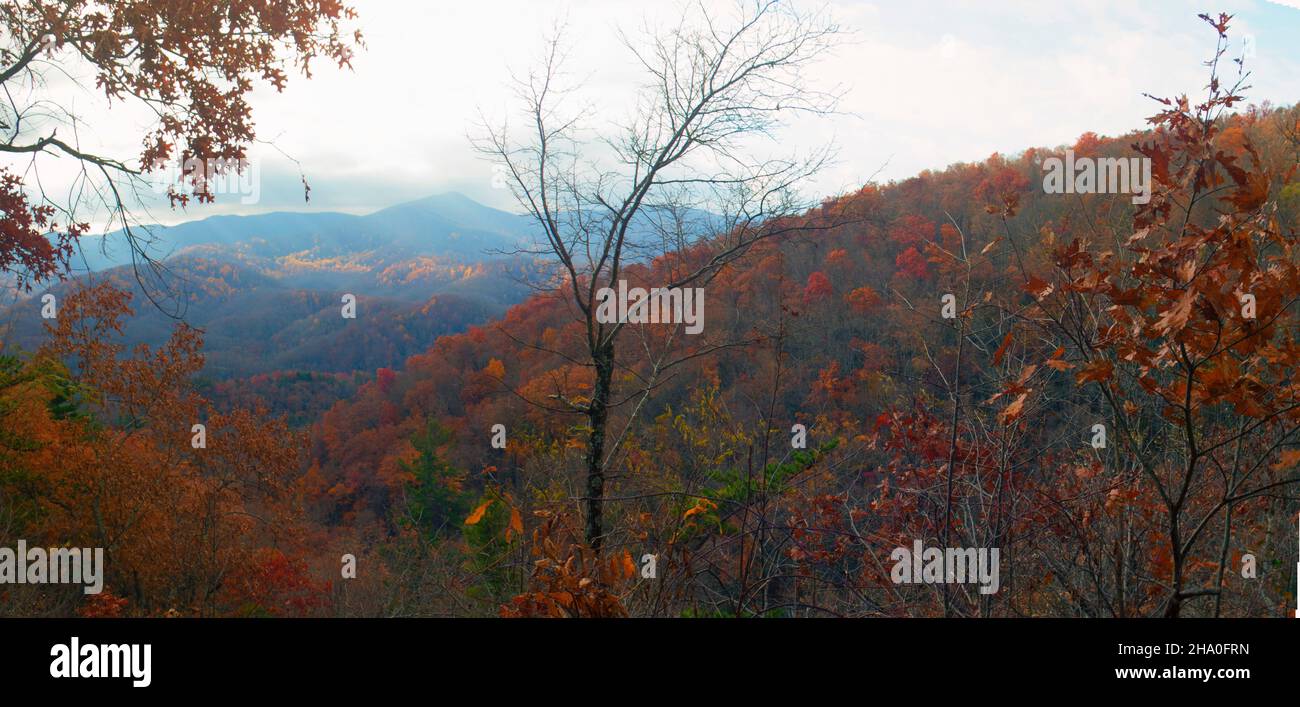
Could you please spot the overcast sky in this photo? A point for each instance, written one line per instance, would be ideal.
(929, 83)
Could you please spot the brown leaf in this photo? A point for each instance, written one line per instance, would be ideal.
(1176, 317)
(1288, 459)
(1037, 287)
(1099, 370)
(1013, 411)
(997, 355)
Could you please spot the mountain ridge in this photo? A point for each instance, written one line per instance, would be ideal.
(448, 224)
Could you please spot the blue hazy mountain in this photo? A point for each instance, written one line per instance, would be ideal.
(450, 226)
(266, 289)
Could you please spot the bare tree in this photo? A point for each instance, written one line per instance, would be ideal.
(682, 179)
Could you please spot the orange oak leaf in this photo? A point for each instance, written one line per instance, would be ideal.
(477, 515)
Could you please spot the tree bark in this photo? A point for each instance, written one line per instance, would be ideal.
(598, 417)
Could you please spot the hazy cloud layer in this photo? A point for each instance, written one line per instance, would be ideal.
(930, 83)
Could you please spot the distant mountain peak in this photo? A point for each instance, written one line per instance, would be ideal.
(449, 225)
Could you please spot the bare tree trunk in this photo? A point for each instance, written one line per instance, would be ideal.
(1223, 560)
(598, 418)
(952, 462)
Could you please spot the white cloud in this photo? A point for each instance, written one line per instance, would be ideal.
(931, 83)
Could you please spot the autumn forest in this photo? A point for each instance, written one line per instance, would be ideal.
(1055, 382)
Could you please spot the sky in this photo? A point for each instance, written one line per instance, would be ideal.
(928, 83)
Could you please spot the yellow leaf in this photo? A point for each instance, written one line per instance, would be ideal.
(629, 567)
(477, 515)
(516, 522)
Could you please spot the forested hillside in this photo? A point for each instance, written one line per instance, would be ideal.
(1075, 362)
(1062, 303)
